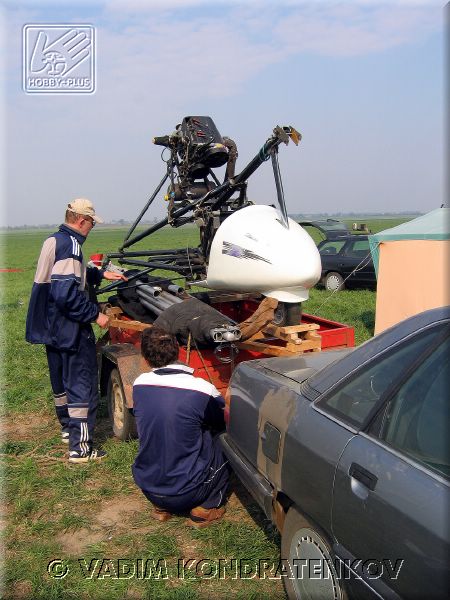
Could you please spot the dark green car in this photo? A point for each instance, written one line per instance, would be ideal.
(346, 258)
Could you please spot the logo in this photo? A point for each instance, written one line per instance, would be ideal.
(58, 59)
(239, 252)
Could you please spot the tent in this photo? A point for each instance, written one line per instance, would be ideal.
(412, 266)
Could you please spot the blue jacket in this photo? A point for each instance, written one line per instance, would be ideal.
(59, 305)
(174, 411)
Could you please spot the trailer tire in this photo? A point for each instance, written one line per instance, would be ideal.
(122, 421)
(287, 313)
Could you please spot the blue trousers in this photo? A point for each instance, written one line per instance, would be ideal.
(210, 494)
(74, 381)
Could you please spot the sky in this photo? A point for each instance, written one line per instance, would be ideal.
(363, 81)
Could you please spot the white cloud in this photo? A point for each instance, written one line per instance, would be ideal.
(154, 67)
(355, 30)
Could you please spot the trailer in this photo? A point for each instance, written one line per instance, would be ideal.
(265, 334)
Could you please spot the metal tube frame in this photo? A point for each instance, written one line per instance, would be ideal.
(214, 199)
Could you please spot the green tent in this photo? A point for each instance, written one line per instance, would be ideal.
(435, 225)
(412, 266)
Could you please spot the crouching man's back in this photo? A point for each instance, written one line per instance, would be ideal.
(180, 466)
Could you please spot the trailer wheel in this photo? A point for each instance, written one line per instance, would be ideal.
(123, 423)
(287, 313)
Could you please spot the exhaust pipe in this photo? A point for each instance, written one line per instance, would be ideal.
(170, 298)
(156, 299)
(175, 289)
(161, 304)
(151, 307)
(151, 290)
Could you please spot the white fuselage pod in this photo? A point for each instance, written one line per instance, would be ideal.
(253, 251)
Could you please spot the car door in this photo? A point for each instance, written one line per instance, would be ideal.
(357, 261)
(330, 254)
(391, 492)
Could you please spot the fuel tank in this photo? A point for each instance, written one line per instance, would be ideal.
(253, 251)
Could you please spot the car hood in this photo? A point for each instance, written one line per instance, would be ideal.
(299, 368)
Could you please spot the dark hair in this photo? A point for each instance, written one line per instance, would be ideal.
(158, 347)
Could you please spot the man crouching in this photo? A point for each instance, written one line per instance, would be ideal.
(180, 467)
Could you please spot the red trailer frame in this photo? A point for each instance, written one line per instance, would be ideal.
(120, 361)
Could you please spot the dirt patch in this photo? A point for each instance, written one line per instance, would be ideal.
(235, 510)
(75, 542)
(28, 427)
(119, 512)
(241, 505)
(113, 518)
(22, 590)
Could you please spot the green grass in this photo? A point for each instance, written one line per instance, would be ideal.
(60, 511)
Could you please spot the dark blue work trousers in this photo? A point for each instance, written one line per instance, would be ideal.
(210, 494)
(74, 380)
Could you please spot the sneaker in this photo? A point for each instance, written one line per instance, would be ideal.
(160, 514)
(75, 457)
(65, 437)
(202, 517)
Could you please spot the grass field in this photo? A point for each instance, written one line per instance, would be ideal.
(90, 516)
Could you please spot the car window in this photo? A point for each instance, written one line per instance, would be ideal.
(358, 248)
(331, 247)
(358, 399)
(417, 418)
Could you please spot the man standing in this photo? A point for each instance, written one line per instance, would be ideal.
(180, 466)
(60, 316)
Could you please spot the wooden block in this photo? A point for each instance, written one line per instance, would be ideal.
(292, 329)
(312, 335)
(272, 350)
(305, 345)
(113, 310)
(134, 325)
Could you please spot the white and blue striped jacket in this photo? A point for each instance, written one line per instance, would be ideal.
(176, 415)
(59, 304)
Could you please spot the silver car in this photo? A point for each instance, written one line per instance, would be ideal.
(347, 452)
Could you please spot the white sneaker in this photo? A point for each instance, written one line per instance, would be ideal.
(96, 454)
(65, 437)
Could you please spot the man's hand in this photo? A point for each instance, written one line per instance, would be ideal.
(102, 320)
(114, 276)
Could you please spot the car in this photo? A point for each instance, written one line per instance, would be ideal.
(347, 262)
(346, 258)
(346, 452)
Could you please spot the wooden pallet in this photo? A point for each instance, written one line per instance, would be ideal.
(294, 339)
